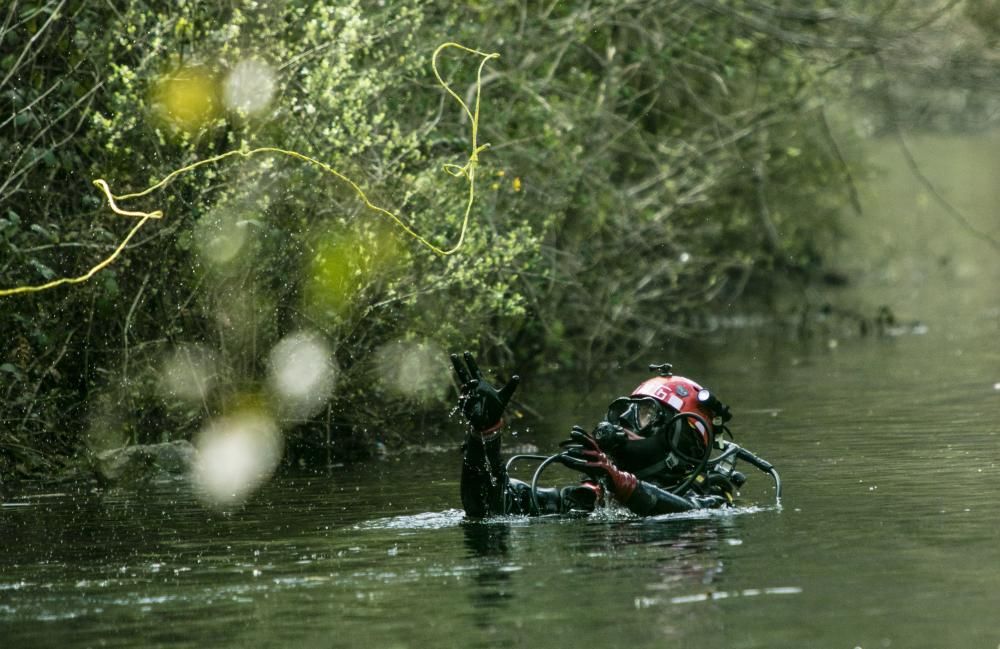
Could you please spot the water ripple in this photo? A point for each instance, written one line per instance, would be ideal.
(423, 521)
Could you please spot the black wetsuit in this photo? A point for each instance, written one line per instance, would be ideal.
(487, 490)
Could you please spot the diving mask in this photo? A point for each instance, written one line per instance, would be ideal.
(637, 414)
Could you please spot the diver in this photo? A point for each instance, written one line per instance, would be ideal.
(659, 450)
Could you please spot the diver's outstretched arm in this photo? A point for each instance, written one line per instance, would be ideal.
(484, 475)
(649, 500)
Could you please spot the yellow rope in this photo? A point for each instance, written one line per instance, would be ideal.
(468, 171)
(90, 273)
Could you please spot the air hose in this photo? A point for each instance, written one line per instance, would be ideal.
(700, 463)
(763, 465)
(534, 479)
(729, 451)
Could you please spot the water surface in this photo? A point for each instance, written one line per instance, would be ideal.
(888, 534)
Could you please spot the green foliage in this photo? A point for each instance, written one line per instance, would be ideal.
(649, 159)
(673, 154)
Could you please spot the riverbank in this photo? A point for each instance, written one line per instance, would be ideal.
(639, 193)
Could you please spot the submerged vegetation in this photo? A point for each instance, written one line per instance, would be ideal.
(650, 162)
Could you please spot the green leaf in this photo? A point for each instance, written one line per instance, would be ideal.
(111, 285)
(10, 369)
(46, 272)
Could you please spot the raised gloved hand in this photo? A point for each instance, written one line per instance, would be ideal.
(583, 454)
(481, 403)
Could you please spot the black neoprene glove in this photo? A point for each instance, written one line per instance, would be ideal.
(481, 403)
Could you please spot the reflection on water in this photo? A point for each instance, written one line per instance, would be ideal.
(887, 535)
(887, 520)
(117, 565)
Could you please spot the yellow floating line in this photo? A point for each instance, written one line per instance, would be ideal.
(107, 261)
(468, 171)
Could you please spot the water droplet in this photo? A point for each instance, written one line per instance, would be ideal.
(249, 87)
(303, 373)
(236, 454)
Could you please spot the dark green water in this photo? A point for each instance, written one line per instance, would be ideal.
(888, 534)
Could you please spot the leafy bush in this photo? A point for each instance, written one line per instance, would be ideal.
(650, 161)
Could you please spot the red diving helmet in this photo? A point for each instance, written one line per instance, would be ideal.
(662, 397)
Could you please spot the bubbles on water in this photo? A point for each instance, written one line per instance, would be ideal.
(302, 373)
(237, 453)
(249, 87)
(187, 373)
(415, 370)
